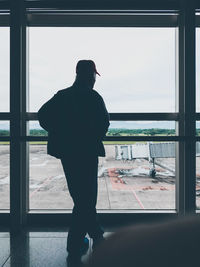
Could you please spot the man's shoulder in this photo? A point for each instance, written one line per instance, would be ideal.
(97, 95)
(70, 91)
(64, 91)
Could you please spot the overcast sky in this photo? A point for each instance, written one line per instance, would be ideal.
(4, 69)
(137, 65)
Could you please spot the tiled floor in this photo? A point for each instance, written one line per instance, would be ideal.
(34, 249)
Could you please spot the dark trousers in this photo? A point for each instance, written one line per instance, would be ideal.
(81, 175)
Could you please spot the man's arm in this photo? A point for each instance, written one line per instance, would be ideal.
(47, 114)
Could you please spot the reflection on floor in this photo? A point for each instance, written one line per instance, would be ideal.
(35, 249)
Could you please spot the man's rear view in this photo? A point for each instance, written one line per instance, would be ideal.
(77, 120)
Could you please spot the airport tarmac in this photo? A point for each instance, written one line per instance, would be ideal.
(122, 184)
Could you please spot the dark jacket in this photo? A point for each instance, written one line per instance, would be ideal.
(76, 120)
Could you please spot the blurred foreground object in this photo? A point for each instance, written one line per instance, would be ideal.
(172, 243)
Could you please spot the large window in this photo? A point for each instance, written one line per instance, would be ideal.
(147, 64)
(137, 67)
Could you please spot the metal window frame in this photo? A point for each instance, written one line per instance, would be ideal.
(185, 116)
(104, 5)
(71, 19)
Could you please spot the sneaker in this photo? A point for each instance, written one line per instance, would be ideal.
(85, 246)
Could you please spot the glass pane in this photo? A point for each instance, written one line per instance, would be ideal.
(198, 128)
(5, 246)
(137, 65)
(4, 68)
(141, 128)
(5, 175)
(198, 175)
(4, 128)
(48, 188)
(197, 69)
(133, 175)
(35, 129)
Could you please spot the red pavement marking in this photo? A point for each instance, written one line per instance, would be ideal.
(112, 174)
(138, 200)
(119, 184)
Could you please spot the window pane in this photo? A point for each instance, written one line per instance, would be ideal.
(197, 69)
(137, 65)
(198, 175)
(35, 129)
(5, 245)
(48, 188)
(133, 175)
(198, 128)
(4, 128)
(141, 128)
(4, 175)
(4, 68)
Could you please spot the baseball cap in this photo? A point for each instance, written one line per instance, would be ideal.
(86, 67)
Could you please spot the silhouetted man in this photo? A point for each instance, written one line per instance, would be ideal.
(77, 120)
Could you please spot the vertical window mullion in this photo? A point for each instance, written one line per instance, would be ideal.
(24, 144)
(16, 78)
(190, 104)
(180, 181)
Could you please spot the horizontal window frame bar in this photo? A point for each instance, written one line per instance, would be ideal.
(120, 20)
(197, 116)
(116, 138)
(110, 218)
(4, 20)
(32, 116)
(145, 116)
(4, 219)
(108, 5)
(5, 116)
(105, 12)
(166, 138)
(5, 138)
(145, 5)
(197, 18)
(101, 20)
(103, 211)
